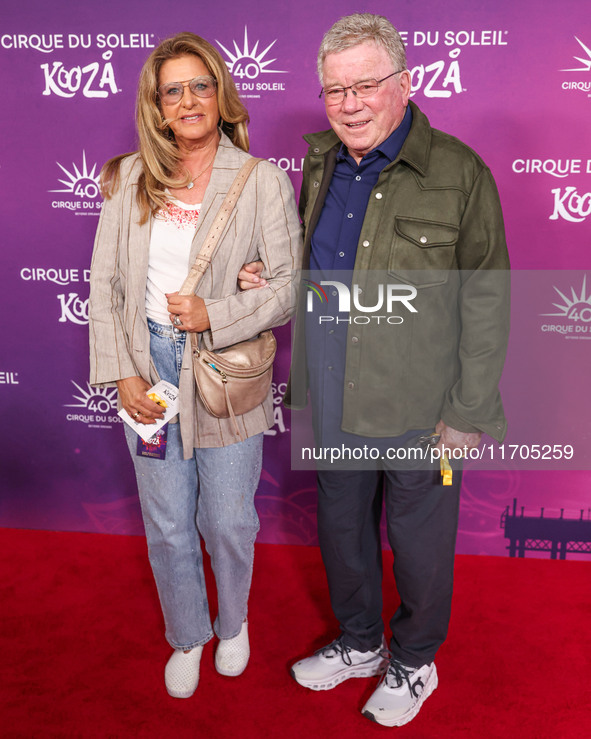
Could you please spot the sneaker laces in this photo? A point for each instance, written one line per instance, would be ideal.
(400, 674)
(338, 648)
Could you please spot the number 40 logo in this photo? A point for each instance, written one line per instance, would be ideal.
(248, 62)
(82, 181)
(577, 307)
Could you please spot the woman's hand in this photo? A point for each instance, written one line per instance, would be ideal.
(132, 393)
(250, 276)
(190, 310)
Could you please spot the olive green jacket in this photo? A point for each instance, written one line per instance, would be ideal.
(433, 221)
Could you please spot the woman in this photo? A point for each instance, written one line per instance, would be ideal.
(159, 205)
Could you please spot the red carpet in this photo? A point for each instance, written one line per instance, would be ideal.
(82, 651)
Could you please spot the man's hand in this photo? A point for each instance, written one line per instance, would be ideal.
(250, 276)
(454, 439)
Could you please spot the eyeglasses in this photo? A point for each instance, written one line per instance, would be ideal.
(172, 92)
(363, 89)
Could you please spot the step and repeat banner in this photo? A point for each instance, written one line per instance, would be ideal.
(512, 80)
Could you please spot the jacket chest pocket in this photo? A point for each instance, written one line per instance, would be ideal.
(422, 252)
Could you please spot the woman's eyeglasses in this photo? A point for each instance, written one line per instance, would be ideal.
(172, 92)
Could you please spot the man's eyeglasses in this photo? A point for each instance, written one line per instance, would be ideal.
(363, 89)
(172, 92)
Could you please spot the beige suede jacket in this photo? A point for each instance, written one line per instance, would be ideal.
(264, 225)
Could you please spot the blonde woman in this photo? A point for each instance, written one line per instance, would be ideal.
(159, 205)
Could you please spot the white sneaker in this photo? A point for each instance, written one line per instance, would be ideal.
(336, 663)
(401, 693)
(181, 674)
(232, 655)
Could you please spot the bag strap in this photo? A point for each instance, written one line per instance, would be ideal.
(208, 248)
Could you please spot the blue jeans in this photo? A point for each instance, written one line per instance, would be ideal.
(212, 495)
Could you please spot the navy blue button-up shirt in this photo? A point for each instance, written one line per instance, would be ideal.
(335, 239)
(333, 252)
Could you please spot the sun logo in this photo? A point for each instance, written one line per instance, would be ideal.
(575, 308)
(81, 181)
(585, 62)
(249, 62)
(98, 400)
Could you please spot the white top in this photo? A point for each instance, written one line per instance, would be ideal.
(170, 245)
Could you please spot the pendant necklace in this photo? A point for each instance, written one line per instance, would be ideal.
(192, 183)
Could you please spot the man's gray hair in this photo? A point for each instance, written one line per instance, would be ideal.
(352, 30)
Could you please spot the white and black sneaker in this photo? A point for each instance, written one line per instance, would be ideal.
(337, 662)
(401, 693)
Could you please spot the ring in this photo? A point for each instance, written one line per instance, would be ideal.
(177, 321)
(136, 414)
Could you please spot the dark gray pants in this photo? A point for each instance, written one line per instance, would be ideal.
(422, 519)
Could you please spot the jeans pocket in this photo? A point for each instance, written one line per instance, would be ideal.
(166, 349)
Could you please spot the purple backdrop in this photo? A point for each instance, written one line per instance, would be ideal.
(512, 80)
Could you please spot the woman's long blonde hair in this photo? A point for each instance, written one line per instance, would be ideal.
(158, 149)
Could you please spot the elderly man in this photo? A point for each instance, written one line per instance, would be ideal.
(383, 191)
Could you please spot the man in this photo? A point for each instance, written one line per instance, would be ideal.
(383, 191)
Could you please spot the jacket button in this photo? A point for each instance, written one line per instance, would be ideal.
(365, 243)
(351, 385)
(317, 184)
(354, 339)
(379, 196)
(423, 239)
(316, 150)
